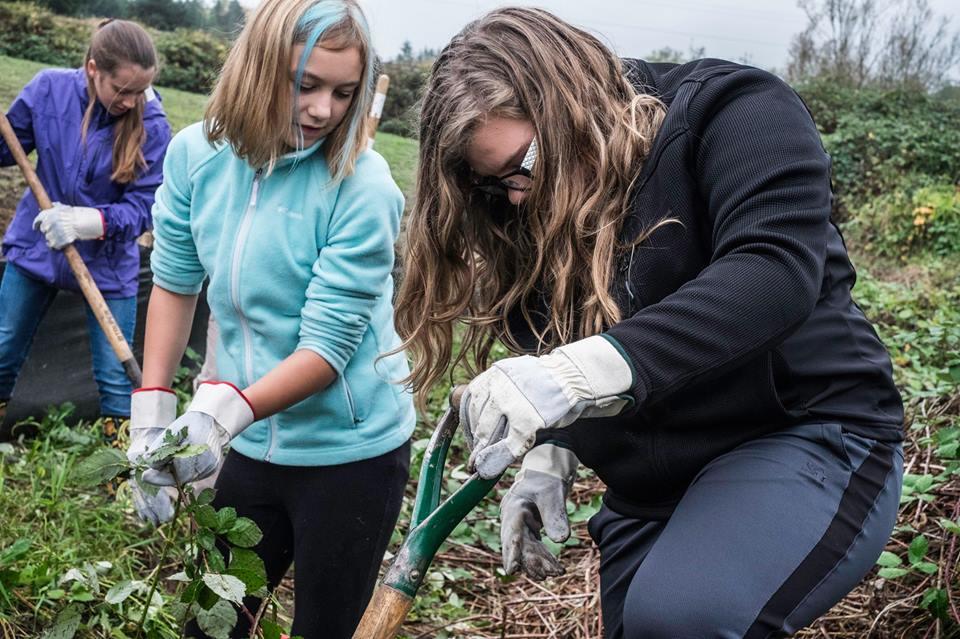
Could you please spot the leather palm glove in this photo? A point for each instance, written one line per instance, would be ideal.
(62, 225)
(537, 499)
(504, 407)
(151, 409)
(217, 414)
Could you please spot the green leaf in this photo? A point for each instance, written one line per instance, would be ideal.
(206, 516)
(218, 621)
(926, 567)
(163, 454)
(244, 533)
(226, 586)
(892, 573)
(191, 592)
(935, 600)
(206, 597)
(955, 373)
(191, 451)
(215, 561)
(889, 560)
(206, 539)
(66, 625)
(7, 449)
(206, 496)
(918, 549)
(83, 596)
(120, 591)
(247, 566)
(950, 526)
(226, 518)
(14, 551)
(270, 629)
(100, 467)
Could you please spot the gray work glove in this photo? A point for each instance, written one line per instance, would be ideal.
(537, 499)
(505, 406)
(217, 414)
(151, 409)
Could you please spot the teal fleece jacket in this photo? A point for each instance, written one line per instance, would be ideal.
(295, 261)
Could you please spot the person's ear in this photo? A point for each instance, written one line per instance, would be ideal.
(91, 68)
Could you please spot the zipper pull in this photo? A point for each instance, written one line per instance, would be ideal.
(256, 187)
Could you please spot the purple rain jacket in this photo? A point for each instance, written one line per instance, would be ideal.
(47, 116)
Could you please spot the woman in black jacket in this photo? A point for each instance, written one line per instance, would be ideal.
(653, 242)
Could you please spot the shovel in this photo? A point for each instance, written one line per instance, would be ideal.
(89, 288)
(430, 524)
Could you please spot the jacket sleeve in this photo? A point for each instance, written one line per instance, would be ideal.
(175, 264)
(20, 116)
(764, 182)
(129, 217)
(351, 273)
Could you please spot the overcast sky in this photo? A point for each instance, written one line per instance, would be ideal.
(759, 31)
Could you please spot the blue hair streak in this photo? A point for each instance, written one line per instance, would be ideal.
(311, 28)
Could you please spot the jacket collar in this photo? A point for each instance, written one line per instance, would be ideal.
(298, 156)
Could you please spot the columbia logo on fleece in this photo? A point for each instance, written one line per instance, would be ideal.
(296, 215)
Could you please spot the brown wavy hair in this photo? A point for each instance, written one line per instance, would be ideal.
(472, 260)
(253, 101)
(116, 43)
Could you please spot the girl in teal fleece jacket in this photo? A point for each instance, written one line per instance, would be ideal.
(275, 198)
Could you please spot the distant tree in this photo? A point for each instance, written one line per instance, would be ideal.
(859, 42)
(427, 55)
(82, 8)
(227, 17)
(408, 74)
(406, 53)
(168, 15)
(669, 54)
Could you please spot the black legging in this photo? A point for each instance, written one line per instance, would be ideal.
(332, 522)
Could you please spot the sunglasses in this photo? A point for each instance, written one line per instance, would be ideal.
(519, 179)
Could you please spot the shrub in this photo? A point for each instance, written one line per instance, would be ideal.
(876, 137)
(32, 33)
(920, 217)
(189, 60)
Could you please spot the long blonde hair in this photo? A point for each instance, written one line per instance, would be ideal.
(470, 259)
(253, 102)
(115, 43)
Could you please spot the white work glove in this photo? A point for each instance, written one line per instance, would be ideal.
(151, 410)
(504, 407)
(62, 225)
(537, 499)
(217, 414)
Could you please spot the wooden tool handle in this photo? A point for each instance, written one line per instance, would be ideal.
(384, 615)
(376, 109)
(87, 285)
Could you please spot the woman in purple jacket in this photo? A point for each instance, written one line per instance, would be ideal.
(100, 136)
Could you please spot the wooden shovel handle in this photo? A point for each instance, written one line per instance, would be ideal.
(87, 285)
(384, 615)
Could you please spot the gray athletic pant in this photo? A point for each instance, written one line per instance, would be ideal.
(766, 539)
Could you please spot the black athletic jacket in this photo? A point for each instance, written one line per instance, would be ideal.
(738, 321)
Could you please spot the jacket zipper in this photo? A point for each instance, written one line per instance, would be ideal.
(350, 405)
(242, 234)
